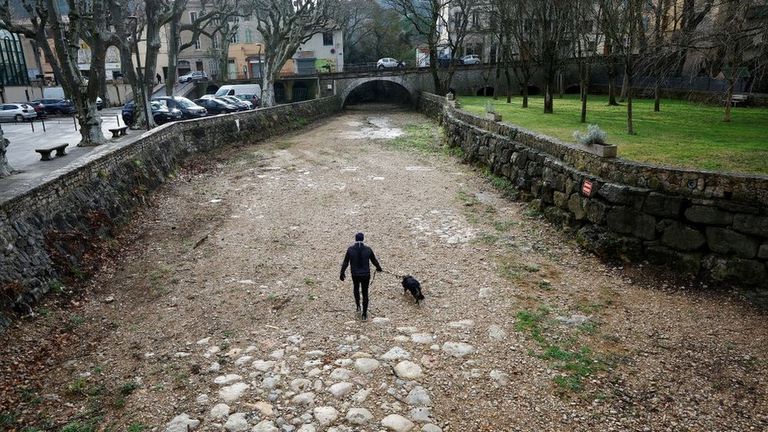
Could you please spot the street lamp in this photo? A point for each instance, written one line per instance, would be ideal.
(139, 75)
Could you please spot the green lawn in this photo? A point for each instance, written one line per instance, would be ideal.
(683, 134)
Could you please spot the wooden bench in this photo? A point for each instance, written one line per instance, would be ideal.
(116, 132)
(738, 98)
(46, 151)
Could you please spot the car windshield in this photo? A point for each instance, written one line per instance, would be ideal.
(157, 105)
(184, 102)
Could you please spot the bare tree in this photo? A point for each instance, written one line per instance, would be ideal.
(517, 28)
(686, 27)
(44, 17)
(550, 42)
(586, 14)
(458, 18)
(621, 26)
(285, 25)
(129, 18)
(227, 25)
(5, 168)
(355, 18)
(176, 27)
(425, 17)
(733, 43)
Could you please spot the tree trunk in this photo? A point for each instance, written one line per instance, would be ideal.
(628, 82)
(139, 99)
(173, 56)
(624, 89)
(525, 94)
(548, 97)
(224, 57)
(657, 96)
(583, 90)
(612, 84)
(433, 71)
(5, 169)
(268, 78)
(509, 83)
(728, 97)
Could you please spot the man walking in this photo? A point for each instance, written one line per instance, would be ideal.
(359, 256)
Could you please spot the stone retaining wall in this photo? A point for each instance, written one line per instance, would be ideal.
(48, 232)
(701, 223)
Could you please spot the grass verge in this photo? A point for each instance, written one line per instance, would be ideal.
(682, 134)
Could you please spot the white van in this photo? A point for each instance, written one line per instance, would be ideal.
(247, 92)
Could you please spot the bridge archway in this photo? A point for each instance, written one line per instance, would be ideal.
(379, 89)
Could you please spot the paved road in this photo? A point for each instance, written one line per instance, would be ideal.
(32, 171)
(58, 129)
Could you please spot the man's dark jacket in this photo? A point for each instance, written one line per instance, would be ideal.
(358, 255)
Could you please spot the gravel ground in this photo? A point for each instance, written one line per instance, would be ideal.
(221, 308)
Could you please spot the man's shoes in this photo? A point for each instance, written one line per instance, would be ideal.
(364, 317)
(358, 310)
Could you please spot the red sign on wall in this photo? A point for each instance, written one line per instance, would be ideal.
(586, 188)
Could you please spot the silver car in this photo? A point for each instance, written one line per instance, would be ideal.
(17, 112)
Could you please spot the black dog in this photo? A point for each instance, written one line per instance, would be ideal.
(411, 284)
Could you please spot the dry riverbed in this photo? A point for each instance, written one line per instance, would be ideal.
(221, 308)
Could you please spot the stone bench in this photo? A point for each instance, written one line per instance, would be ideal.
(739, 98)
(46, 151)
(116, 132)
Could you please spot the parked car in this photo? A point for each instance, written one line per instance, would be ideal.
(189, 109)
(216, 106)
(470, 59)
(247, 92)
(244, 105)
(389, 63)
(17, 112)
(254, 99)
(193, 76)
(160, 112)
(39, 108)
(57, 106)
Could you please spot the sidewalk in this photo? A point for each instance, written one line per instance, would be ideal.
(32, 171)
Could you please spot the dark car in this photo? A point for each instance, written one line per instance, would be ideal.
(189, 109)
(57, 106)
(160, 112)
(216, 106)
(39, 108)
(240, 103)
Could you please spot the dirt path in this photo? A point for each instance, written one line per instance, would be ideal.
(227, 291)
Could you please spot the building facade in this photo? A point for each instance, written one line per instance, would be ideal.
(13, 63)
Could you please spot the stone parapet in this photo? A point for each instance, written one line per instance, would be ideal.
(700, 223)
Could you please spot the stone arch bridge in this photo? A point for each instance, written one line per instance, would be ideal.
(467, 80)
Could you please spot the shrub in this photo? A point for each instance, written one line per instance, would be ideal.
(594, 135)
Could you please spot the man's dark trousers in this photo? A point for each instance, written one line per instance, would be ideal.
(358, 283)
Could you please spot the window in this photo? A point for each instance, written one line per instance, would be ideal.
(215, 42)
(248, 36)
(235, 37)
(476, 19)
(197, 43)
(192, 17)
(327, 38)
